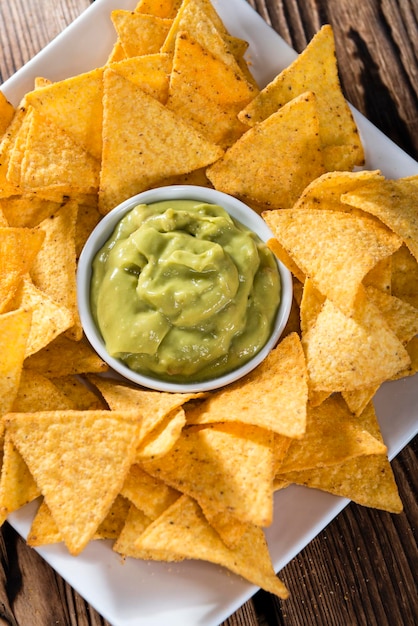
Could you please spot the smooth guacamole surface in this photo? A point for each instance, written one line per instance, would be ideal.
(182, 291)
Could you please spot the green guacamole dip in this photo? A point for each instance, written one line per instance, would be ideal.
(182, 291)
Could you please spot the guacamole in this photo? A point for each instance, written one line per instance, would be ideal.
(183, 292)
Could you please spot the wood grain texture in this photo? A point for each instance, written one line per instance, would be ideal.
(361, 569)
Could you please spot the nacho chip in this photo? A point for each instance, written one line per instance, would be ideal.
(14, 332)
(150, 495)
(143, 143)
(27, 210)
(78, 393)
(367, 480)
(273, 396)
(54, 159)
(394, 202)
(54, 270)
(275, 160)
(75, 106)
(334, 249)
(206, 92)
(38, 393)
(332, 436)
(19, 248)
(405, 276)
(63, 357)
(183, 530)
(150, 72)
(223, 466)
(367, 351)
(17, 486)
(160, 8)
(7, 112)
(401, 317)
(163, 437)
(79, 476)
(315, 69)
(140, 33)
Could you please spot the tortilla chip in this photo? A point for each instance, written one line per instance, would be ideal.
(163, 437)
(315, 69)
(273, 396)
(7, 112)
(150, 495)
(54, 270)
(150, 72)
(140, 33)
(394, 202)
(160, 8)
(183, 530)
(206, 92)
(332, 436)
(14, 332)
(334, 249)
(75, 106)
(400, 316)
(405, 276)
(27, 210)
(78, 393)
(79, 476)
(223, 466)
(275, 160)
(38, 393)
(63, 357)
(143, 143)
(19, 248)
(17, 487)
(367, 351)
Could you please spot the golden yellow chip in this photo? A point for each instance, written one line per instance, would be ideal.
(335, 249)
(78, 393)
(150, 72)
(7, 112)
(54, 269)
(206, 92)
(74, 105)
(366, 351)
(405, 276)
(223, 466)
(333, 435)
(358, 399)
(367, 480)
(163, 437)
(6, 145)
(315, 69)
(38, 393)
(147, 493)
(160, 8)
(19, 248)
(401, 317)
(79, 477)
(14, 332)
(275, 160)
(27, 210)
(183, 530)
(380, 276)
(140, 33)
(48, 318)
(54, 159)
(394, 202)
(63, 357)
(144, 143)
(17, 486)
(273, 396)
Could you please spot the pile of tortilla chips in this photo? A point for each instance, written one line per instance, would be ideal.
(177, 476)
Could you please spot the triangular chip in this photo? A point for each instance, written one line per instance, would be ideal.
(367, 351)
(19, 248)
(183, 530)
(63, 357)
(206, 92)
(315, 69)
(7, 112)
(75, 105)
(144, 143)
(38, 393)
(273, 396)
(332, 436)
(150, 495)
(150, 72)
(224, 467)
(161, 8)
(79, 461)
(140, 33)
(394, 202)
(14, 332)
(334, 249)
(274, 161)
(54, 270)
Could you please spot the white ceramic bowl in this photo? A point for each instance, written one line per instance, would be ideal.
(239, 211)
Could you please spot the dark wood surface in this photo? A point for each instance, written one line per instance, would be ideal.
(361, 570)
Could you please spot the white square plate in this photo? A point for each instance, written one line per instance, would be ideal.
(136, 593)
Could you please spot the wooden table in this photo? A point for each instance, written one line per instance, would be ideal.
(361, 569)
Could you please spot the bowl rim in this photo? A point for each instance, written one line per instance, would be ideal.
(100, 234)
